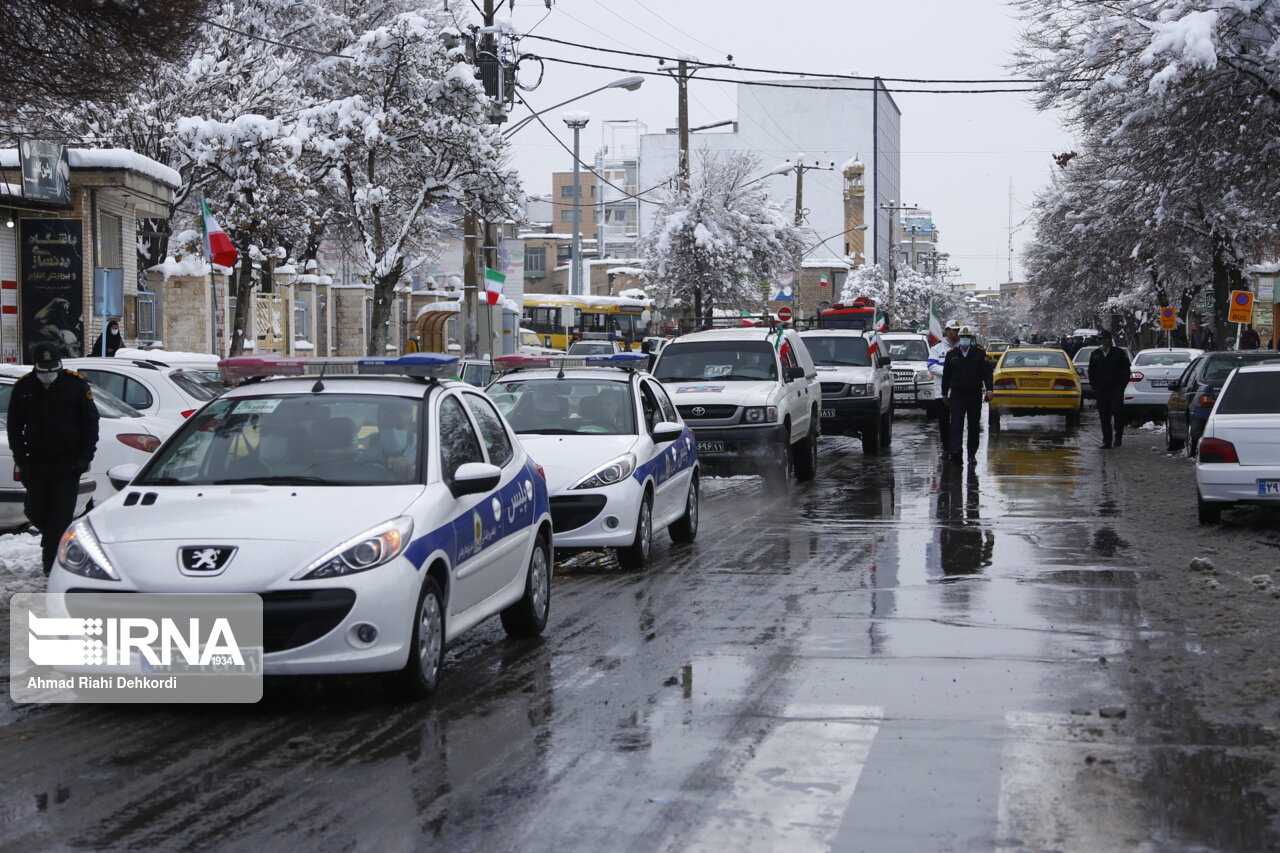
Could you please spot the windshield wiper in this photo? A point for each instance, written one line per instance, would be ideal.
(555, 431)
(282, 480)
(166, 481)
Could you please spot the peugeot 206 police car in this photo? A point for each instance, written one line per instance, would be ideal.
(378, 510)
(620, 462)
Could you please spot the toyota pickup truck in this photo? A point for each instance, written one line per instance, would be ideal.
(857, 387)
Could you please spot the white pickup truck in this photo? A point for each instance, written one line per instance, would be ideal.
(857, 387)
(753, 401)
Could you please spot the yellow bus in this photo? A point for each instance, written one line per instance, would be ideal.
(559, 318)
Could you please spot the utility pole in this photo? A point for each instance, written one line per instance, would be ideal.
(800, 169)
(894, 239)
(682, 120)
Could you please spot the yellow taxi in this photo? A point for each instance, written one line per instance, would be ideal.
(995, 349)
(1034, 381)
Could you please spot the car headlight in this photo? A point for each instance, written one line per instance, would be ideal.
(370, 549)
(80, 553)
(861, 390)
(760, 414)
(613, 471)
(923, 376)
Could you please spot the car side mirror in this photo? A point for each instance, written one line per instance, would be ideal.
(471, 478)
(666, 431)
(885, 361)
(794, 373)
(122, 475)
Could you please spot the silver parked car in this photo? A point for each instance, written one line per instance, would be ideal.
(1154, 370)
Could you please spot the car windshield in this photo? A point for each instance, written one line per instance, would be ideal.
(1161, 358)
(198, 384)
(109, 405)
(1251, 394)
(1032, 358)
(322, 440)
(477, 373)
(747, 361)
(565, 406)
(591, 348)
(907, 350)
(837, 350)
(1082, 355)
(1220, 366)
(997, 346)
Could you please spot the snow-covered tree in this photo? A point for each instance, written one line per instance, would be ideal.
(717, 241)
(907, 300)
(404, 136)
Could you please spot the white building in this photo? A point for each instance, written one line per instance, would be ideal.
(779, 121)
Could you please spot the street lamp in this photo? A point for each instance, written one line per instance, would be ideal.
(576, 120)
(635, 81)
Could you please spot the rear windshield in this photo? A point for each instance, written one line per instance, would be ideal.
(1021, 358)
(1160, 358)
(199, 384)
(838, 350)
(1220, 366)
(1251, 394)
(720, 360)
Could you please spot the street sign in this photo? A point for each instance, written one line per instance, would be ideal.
(1168, 319)
(784, 314)
(1266, 290)
(1240, 309)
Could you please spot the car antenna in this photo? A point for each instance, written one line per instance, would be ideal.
(319, 386)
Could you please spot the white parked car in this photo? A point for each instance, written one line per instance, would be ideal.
(1080, 363)
(378, 515)
(620, 463)
(124, 434)
(533, 344)
(753, 401)
(13, 495)
(152, 387)
(1153, 371)
(912, 381)
(1239, 457)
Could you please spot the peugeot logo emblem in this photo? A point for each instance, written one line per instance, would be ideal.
(204, 559)
(698, 411)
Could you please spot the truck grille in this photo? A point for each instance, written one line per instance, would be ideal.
(903, 377)
(707, 413)
(834, 389)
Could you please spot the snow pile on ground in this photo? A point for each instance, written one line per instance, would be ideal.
(20, 569)
(1152, 426)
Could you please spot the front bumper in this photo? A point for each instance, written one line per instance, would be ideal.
(1227, 482)
(309, 627)
(742, 450)
(583, 518)
(850, 414)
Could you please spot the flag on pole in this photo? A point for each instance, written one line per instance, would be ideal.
(878, 324)
(935, 324)
(217, 245)
(493, 281)
(780, 341)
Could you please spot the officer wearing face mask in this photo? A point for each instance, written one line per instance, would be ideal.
(53, 434)
(394, 443)
(966, 382)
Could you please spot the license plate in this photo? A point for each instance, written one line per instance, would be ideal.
(711, 447)
(828, 413)
(1269, 488)
(1160, 383)
(218, 665)
(1033, 383)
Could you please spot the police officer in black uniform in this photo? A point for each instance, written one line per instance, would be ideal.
(1109, 377)
(966, 382)
(53, 433)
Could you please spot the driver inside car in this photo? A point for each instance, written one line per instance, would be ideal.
(395, 443)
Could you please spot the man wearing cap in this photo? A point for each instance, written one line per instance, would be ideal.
(53, 433)
(1109, 377)
(938, 355)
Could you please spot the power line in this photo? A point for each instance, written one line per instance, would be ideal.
(256, 37)
(774, 70)
(766, 84)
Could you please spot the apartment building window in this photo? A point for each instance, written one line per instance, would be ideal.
(567, 215)
(535, 260)
(566, 191)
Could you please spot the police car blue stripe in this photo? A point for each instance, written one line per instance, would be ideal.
(679, 455)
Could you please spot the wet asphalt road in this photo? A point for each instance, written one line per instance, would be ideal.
(902, 655)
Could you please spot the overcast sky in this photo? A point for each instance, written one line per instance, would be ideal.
(959, 152)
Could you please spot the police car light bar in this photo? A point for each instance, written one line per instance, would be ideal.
(623, 360)
(628, 360)
(247, 366)
(428, 365)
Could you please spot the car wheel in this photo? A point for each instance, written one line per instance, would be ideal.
(421, 675)
(1208, 513)
(871, 436)
(1171, 444)
(886, 428)
(528, 616)
(805, 453)
(779, 475)
(993, 419)
(685, 528)
(636, 555)
(1193, 439)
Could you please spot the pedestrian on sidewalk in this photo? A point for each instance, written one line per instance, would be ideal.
(966, 382)
(109, 342)
(53, 434)
(937, 354)
(1109, 377)
(1249, 339)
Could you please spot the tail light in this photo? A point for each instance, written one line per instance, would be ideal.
(17, 474)
(139, 441)
(1136, 376)
(1205, 401)
(1006, 382)
(1217, 450)
(188, 413)
(541, 472)
(1064, 385)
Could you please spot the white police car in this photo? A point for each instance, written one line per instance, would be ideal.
(378, 511)
(620, 462)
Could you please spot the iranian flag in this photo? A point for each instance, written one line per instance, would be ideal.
(493, 281)
(217, 245)
(935, 324)
(878, 324)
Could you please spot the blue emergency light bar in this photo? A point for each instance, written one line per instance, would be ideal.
(431, 365)
(621, 360)
(618, 359)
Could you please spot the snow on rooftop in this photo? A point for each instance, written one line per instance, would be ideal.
(189, 266)
(107, 158)
(825, 263)
(445, 305)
